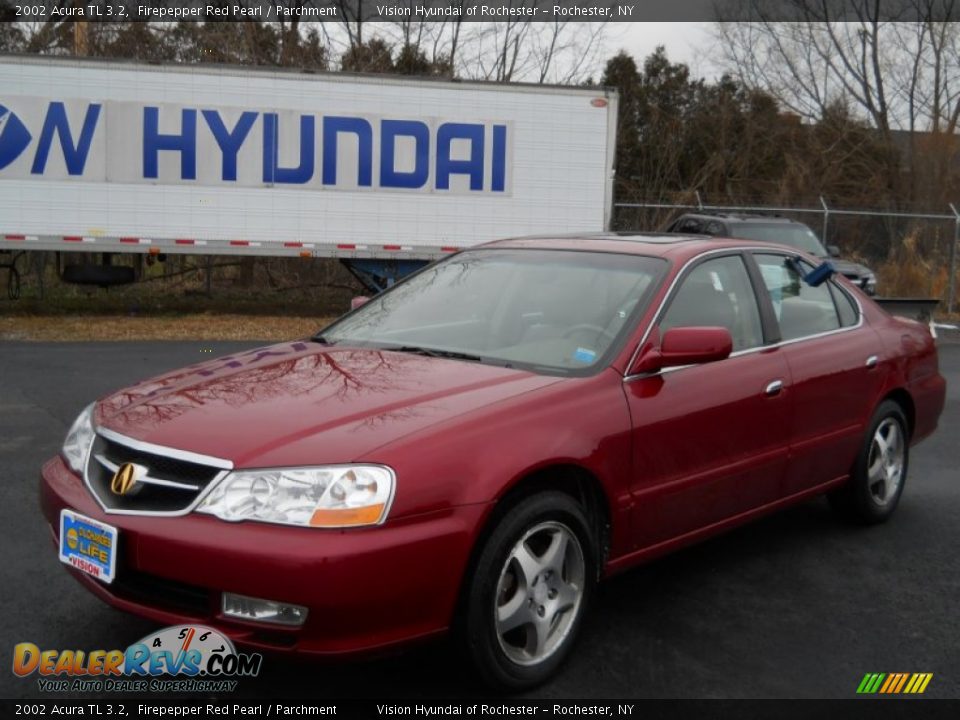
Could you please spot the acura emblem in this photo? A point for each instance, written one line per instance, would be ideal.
(125, 478)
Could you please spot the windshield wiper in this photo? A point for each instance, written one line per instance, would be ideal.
(433, 352)
(321, 339)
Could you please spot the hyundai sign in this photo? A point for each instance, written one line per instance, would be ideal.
(168, 144)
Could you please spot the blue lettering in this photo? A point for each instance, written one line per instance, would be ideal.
(499, 170)
(229, 140)
(160, 662)
(74, 155)
(134, 658)
(190, 665)
(272, 172)
(390, 130)
(446, 166)
(361, 128)
(185, 143)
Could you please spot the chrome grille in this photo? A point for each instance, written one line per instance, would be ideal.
(165, 485)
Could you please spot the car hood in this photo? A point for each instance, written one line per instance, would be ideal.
(303, 403)
(847, 268)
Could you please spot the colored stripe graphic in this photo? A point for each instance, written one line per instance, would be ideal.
(900, 683)
(894, 683)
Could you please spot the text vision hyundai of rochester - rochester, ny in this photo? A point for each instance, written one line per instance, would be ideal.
(473, 449)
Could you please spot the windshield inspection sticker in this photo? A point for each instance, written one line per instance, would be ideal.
(584, 355)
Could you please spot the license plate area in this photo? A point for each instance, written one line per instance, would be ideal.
(88, 545)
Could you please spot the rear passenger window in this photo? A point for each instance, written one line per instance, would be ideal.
(801, 309)
(718, 293)
(845, 307)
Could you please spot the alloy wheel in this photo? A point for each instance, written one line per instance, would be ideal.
(885, 462)
(539, 593)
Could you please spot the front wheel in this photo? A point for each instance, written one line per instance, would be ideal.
(529, 591)
(879, 474)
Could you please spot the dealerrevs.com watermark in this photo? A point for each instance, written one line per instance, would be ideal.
(180, 658)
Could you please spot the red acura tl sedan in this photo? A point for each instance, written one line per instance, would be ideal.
(473, 449)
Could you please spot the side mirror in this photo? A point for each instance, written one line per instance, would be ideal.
(833, 251)
(695, 345)
(358, 301)
(684, 346)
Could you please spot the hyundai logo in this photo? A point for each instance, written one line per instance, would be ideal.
(14, 137)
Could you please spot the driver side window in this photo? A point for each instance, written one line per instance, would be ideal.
(718, 293)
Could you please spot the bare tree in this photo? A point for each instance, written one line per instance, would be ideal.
(525, 51)
(434, 41)
(562, 51)
(894, 63)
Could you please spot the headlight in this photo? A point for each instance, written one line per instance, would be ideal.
(333, 497)
(78, 440)
(869, 282)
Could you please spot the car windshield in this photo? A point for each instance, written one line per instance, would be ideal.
(798, 236)
(546, 310)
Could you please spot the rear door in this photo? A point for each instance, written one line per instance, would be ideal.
(710, 441)
(833, 359)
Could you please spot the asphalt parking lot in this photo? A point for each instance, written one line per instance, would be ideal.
(794, 606)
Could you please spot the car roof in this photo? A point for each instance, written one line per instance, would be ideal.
(653, 244)
(740, 217)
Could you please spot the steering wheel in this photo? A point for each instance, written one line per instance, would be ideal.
(588, 326)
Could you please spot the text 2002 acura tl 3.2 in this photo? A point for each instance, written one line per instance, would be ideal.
(475, 447)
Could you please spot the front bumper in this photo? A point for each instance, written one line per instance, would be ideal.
(366, 588)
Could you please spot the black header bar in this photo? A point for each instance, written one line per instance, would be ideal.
(469, 10)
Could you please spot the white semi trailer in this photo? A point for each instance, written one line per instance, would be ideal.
(119, 157)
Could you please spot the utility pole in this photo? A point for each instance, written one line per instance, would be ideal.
(952, 262)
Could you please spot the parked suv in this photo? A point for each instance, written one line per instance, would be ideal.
(773, 229)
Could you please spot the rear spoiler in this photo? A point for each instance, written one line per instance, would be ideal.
(920, 309)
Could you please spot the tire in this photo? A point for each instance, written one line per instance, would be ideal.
(535, 572)
(880, 471)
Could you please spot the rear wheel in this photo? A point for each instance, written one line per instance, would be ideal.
(529, 591)
(880, 471)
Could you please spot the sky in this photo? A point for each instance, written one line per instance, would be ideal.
(690, 43)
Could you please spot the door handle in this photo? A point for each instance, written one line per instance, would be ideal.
(774, 387)
(872, 361)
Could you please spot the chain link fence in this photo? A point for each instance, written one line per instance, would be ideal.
(914, 254)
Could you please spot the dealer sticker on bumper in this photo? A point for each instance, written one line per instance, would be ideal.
(88, 545)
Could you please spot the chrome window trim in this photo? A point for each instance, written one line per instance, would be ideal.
(852, 297)
(760, 348)
(225, 466)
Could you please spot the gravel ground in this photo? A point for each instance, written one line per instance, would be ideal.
(97, 328)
